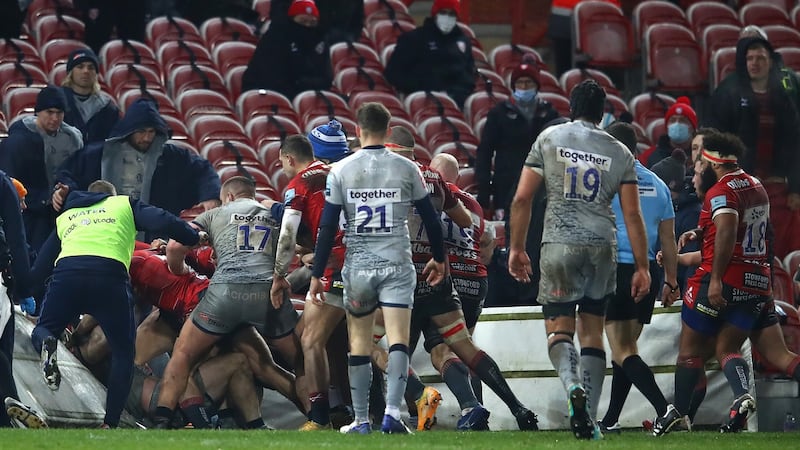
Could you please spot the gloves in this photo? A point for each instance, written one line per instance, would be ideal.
(28, 305)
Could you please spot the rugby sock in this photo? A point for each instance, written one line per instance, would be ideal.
(593, 367)
(334, 397)
(620, 387)
(794, 368)
(698, 395)
(414, 390)
(477, 386)
(490, 373)
(164, 413)
(255, 424)
(320, 408)
(195, 411)
(396, 378)
(737, 372)
(688, 373)
(564, 357)
(360, 373)
(456, 375)
(642, 377)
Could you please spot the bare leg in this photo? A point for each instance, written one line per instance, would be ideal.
(153, 337)
(192, 343)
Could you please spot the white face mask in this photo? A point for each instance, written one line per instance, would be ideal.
(445, 23)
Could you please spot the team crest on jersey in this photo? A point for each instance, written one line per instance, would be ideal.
(462, 47)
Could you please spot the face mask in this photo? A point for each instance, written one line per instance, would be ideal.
(678, 132)
(524, 95)
(445, 23)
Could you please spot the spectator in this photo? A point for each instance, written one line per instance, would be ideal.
(88, 109)
(126, 17)
(12, 14)
(137, 160)
(511, 128)
(34, 150)
(339, 20)
(198, 11)
(434, 57)
(681, 123)
(754, 104)
(559, 30)
(291, 57)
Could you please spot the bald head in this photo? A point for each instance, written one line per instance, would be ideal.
(447, 165)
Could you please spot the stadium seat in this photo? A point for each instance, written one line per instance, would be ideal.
(232, 54)
(195, 77)
(574, 77)
(52, 27)
(405, 123)
(59, 72)
(717, 36)
(615, 105)
(386, 54)
(467, 181)
(117, 52)
(795, 16)
(42, 8)
(656, 11)
(477, 127)
(262, 7)
(488, 80)
(603, 35)
(505, 57)
(791, 57)
(559, 102)
(263, 129)
(782, 285)
(763, 14)
(436, 131)
(217, 30)
(12, 50)
(269, 155)
(56, 51)
(165, 104)
(385, 32)
(673, 58)
(132, 76)
(375, 10)
(280, 180)
(468, 32)
(477, 105)
(220, 153)
(233, 81)
(3, 129)
(16, 74)
(549, 83)
(706, 13)
(641, 135)
(723, 62)
(317, 103)
(481, 61)
(352, 80)
(20, 100)
(354, 54)
(348, 125)
(261, 102)
(198, 102)
(656, 129)
(422, 155)
(172, 54)
(390, 101)
(179, 131)
(791, 262)
(204, 129)
(167, 29)
(781, 36)
(650, 106)
(422, 105)
(263, 182)
(464, 152)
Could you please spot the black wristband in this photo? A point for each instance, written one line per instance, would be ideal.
(672, 289)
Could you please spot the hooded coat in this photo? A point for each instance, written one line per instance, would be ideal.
(99, 126)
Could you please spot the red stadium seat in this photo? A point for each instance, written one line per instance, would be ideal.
(167, 29)
(656, 11)
(223, 153)
(233, 81)
(481, 61)
(262, 7)
(280, 180)
(437, 131)
(232, 54)
(673, 58)
(204, 129)
(706, 13)
(317, 103)
(179, 131)
(263, 129)
(574, 77)
(649, 106)
(132, 76)
(386, 54)
(791, 57)
(354, 54)
(263, 182)
(270, 157)
(217, 30)
(723, 62)
(172, 54)
(782, 286)
(468, 32)
(12, 50)
(351, 80)
(717, 36)
(42, 8)
(165, 104)
(656, 129)
(791, 262)
(488, 80)
(467, 181)
(422, 105)
(21, 100)
(478, 127)
(56, 51)
(375, 10)
(422, 155)
(603, 35)
(795, 16)
(559, 102)
(396, 121)
(390, 101)
(198, 102)
(118, 52)
(261, 102)
(549, 83)
(763, 14)
(464, 152)
(385, 32)
(641, 135)
(52, 27)
(478, 105)
(195, 77)
(615, 105)
(14, 75)
(505, 57)
(781, 36)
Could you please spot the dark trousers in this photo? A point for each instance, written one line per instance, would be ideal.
(108, 298)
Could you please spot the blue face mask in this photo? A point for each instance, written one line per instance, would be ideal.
(524, 95)
(678, 132)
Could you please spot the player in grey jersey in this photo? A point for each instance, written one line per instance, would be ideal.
(376, 189)
(583, 168)
(244, 236)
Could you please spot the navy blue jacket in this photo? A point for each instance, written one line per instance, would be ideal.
(146, 218)
(99, 126)
(15, 236)
(181, 179)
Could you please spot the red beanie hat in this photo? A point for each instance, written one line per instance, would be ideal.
(303, 7)
(439, 5)
(528, 68)
(683, 107)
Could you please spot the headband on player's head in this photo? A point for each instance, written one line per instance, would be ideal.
(717, 158)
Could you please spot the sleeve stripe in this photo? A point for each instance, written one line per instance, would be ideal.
(724, 211)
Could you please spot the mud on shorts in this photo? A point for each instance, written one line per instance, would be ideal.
(571, 273)
(439, 299)
(227, 306)
(367, 288)
(621, 306)
(334, 290)
(743, 310)
(768, 317)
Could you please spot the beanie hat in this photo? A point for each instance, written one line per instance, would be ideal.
(329, 141)
(303, 7)
(527, 68)
(82, 55)
(21, 191)
(683, 107)
(624, 133)
(50, 97)
(672, 170)
(439, 5)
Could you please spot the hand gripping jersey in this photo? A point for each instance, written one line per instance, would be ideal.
(153, 282)
(739, 193)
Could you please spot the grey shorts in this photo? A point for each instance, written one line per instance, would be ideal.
(133, 404)
(573, 272)
(228, 306)
(366, 289)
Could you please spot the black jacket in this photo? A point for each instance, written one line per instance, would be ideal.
(734, 109)
(507, 138)
(14, 230)
(99, 126)
(339, 20)
(427, 60)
